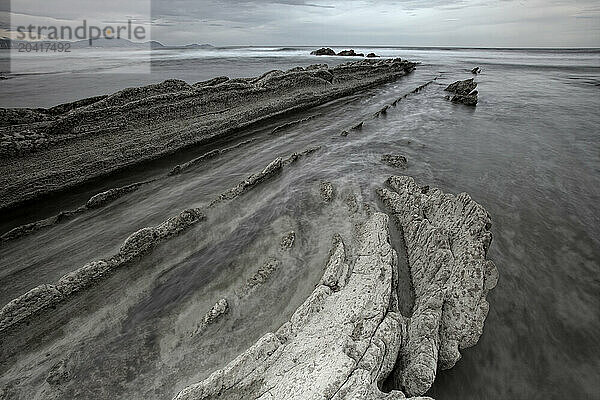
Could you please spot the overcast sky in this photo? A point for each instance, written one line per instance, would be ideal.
(500, 23)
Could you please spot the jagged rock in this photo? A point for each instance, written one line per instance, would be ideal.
(358, 126)
(447, 238)
(465, 92)
(462, 87)
(339, 344)
(287, 241)
(324, 51)
(394, 160)
(350, 53)
(326, 191)
(220, 308)
(372, 55)
(105, 197)
(476, 70)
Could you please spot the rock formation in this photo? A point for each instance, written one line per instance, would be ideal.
(323, 51)
(349, 336)
(464, 92)
(45, 150)
(350, 53)
(447, 238)
(372, 55)
(394, 160)
(476, 71)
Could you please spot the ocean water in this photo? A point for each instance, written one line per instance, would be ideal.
(529, 153)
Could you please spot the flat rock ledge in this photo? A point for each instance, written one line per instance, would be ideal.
(447, 238)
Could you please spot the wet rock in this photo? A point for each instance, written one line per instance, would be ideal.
(261, 275)
(324, 51)
(106, 197)
(394, 160)
(287, 241)
(372, 55)
(476, 70)
(220, 308)
(82, 140)
(357, 127)
(59, 373)
(326, 190)
(469, 100)
(350, 53)
(462, 87)
(339, 344)
(446, 238)
(465, 92)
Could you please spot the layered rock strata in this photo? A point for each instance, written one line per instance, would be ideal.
(447, 238)
(339, 344)
(45, 150)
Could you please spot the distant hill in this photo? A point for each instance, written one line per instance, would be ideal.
(7, 43)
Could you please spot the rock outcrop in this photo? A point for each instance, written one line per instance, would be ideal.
(339, 344)
(447, 238)
(350, 53)
(46, 150)
(323, 51)
(394, 160)
(464, 92)
(372, 55)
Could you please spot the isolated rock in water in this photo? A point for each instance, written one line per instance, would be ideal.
(221, 307)
(259, 277)
(350, 53)
(462, 87)
(372, 55)
(447, 238)
(469, 100)
(326, 191)
(324, 51)
(394, 160)
(476, 70)
(465, 92)
(287, 241)
(339, 344)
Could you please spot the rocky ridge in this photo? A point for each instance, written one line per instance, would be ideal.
(349, 337)
(45, 150)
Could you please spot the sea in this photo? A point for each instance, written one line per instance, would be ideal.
(529, 152)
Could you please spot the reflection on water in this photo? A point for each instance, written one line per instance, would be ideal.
(529, 152)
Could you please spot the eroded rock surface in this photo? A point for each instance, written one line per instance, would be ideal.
(394, 160)
(45, 150)
(447, 238)
(339, 343)
(464, 92)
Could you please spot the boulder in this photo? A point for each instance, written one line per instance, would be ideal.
(372, 55)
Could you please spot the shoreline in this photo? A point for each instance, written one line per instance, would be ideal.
(70, 144)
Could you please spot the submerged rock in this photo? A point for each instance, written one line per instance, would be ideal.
(324, 51)
(394, 160)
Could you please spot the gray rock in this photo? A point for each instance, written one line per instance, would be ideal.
(447, 238)
(476, 71)
(59, 373)
(324, 51)
(287, 241)
(339, 344)
(372, 55)
(350, 53)
(327, 192)
(394, 160)
(462, 87)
